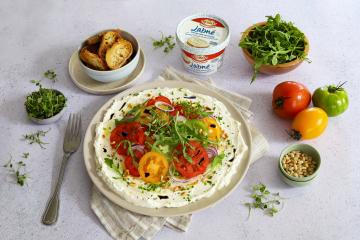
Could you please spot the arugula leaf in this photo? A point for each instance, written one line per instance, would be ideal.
(274, 43)
(217, 160)
(110, 162)
(194, 109)
(131, 116)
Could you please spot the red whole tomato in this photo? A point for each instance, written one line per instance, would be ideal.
(158, 99)
(198, 155)
(290, 98)
(132, 164)
(132, 131)
(177, 109)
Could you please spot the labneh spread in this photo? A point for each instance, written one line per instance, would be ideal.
(202, 39)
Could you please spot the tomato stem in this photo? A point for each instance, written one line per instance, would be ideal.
(279, 102)
(294, 134)
(338, 87)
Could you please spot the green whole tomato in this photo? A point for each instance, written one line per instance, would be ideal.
(332, 99)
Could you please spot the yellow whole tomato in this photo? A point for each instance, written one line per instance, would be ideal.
(309, 123)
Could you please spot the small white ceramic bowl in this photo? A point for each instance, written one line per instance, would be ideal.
(50, 119)
(117, 74)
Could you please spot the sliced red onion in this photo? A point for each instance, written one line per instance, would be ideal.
(169, 107)
(138, 147)
(177, 179)
(181, 118)
(212, 152)
(129, 116)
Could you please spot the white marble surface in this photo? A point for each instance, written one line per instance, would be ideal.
(38, 35)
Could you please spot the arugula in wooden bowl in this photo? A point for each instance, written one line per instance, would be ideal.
(274, 46)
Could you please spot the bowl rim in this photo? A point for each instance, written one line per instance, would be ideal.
(114, 70)
(282, 65)
(296, 181)
(299, 179)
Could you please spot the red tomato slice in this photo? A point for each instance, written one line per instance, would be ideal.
(131, 165)
(132, 131)
(177, 109)
(158, 99)
(198, 155)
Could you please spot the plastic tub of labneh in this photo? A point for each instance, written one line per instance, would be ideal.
(202, 39)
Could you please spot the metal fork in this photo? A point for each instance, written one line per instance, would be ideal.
(72, 141)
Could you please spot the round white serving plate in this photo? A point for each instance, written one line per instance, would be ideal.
(84, 82)
(89, 154)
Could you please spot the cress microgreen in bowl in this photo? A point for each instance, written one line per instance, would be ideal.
(274, 42)
(44, 103)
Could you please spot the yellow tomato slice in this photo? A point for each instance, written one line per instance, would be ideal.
(214, 132)
(153, 167)
(146, 117)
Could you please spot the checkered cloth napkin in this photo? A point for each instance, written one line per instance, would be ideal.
(123, 224)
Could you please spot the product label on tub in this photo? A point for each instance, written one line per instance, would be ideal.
(202, 64)
(203, 32)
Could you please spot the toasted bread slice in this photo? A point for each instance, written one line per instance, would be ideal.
(118, 53)
(93, 48)
(108, 39)
(92, 59)
(94, 39)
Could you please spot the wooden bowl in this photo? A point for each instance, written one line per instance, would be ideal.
(273, 69)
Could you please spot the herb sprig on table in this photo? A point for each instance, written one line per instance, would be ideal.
(51, 74)
(274, 43)
(166, 42)
(264, 200)
(32, 138)
(18, 169)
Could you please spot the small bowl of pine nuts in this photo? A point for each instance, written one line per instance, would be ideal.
(299, 164)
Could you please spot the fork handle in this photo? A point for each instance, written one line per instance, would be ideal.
(52, 208)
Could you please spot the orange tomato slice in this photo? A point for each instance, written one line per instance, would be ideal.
(153, 167)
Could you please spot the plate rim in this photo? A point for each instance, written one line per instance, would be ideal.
(112, 90)
(201, 204)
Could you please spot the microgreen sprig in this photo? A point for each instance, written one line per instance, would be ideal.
(167, 42)
(19, 171)
(50, 74)
(264, 200)
(32, 138)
